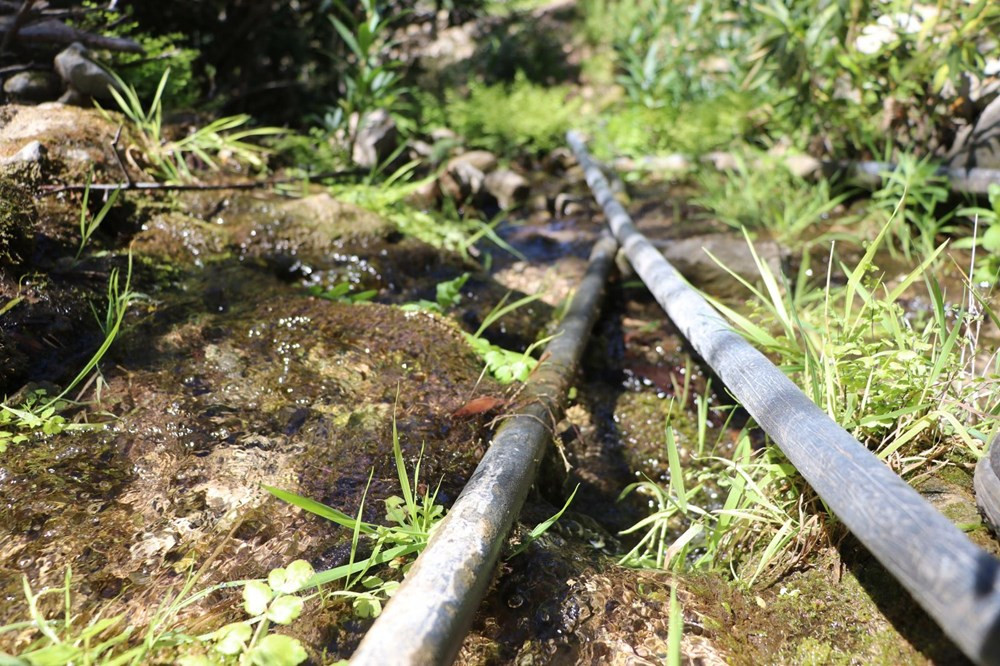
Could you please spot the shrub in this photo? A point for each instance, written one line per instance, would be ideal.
(514, 117)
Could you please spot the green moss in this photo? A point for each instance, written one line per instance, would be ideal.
(17, 218)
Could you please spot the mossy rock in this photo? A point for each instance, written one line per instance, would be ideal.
(17, 222)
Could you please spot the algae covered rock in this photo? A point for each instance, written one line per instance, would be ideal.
(77, 140)
(237, 380)
(17, 222)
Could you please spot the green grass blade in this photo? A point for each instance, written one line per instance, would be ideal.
(676, 472)
(543, 527)
(675, 630)
(321, 510)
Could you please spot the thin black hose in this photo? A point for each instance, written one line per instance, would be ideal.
(428, 617)
(956, 582)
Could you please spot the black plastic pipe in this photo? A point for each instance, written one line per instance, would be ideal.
(955, 581)
(975, 180)
(428, 617)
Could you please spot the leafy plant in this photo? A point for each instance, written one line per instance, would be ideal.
(515, 117)
(909, 196)
(893, 379)
(986, 221)
(218, 140)
(759, 527)
(504, 365)
(40, 414)
(370, 80)
(767, 196)
(276, 601)
(445, 229)
(60, 642)
(414, 518)
(111, 640)
(449, 294)
(691, 126)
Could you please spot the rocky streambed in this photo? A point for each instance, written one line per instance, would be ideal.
(231, 374)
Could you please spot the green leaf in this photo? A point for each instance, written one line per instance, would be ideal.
(285, 609)
(319, 509)
(543, 527)
(676, 471)
(372, 582)
(367, 607)
(292, 579)
(189, 660)
(256, 597)
(58, 654)
(9, 660)
(675, 630)
(232, 638)
(450, 293)
(991, 239)
(278, 650)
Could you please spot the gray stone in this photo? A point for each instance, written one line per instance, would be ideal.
(568, 205)
(443, 134)
(421, 149)
(33, 153)
(672, 163)
(82, 73)
(483, 160)
(980, 145)
(32, 86)
(426, 195)
(722, 161)
(509, 188)
(558, 160)
(376, 137)
(462, 181)
(803, 166)
(691, 257)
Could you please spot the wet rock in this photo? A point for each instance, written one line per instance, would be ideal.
(462, 181)
(443, 134)
(483, 160)
(76, 139)
(180, 240)
(277, 388)
(558, 160)
(33, 153)
(656, 163)
(509, 188)
(722, 161)
(375, 140)
(691, 257)
(427, 195)
(36, 86)
(308, 230)
(803, 166)
(82, 73)
(979, 144)
(287, 235)
(17, 222)
(568, 205)
(421, 150)
(26, 165)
